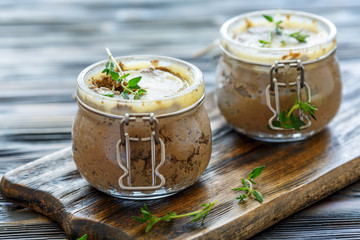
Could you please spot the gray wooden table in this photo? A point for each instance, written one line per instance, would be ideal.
(45, 44)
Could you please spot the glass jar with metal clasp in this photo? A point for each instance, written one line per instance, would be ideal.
(278, 93)
(142, 149)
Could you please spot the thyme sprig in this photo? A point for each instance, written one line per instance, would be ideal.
(279, 30)
(248, 185)
(129, 87)
(152, 220)
(133, 88)
(288, 120)
(112, 60)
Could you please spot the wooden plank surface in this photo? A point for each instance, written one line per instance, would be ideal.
(297, 175)
(45, 44)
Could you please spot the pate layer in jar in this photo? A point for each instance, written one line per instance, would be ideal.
(247, 69)
(147, 148)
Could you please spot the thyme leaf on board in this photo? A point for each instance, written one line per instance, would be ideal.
(279, 30)
(248, 185)
(151, 220)
(113, 69)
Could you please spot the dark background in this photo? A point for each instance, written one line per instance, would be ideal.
(45, 44)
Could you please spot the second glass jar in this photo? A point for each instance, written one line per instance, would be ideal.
(247, 74)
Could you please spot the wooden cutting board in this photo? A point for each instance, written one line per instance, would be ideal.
(297, 174)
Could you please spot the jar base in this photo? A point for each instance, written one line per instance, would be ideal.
(278, 137)
(162, 193)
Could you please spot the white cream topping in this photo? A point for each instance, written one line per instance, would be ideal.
(167, 90)
(158, 84)
(251, 35)
(241, 38)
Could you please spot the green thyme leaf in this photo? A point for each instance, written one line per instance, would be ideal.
(139, 219)
(172, 213)
(257, 195)
(252, 181)
(145, 211)
(136, 87)
(278, 28)
(240, 189)
(108, 94)
(204, 216)
(142, 91)
(306, 107)
(133, 82)
(256, 172)
(283, 117)
(137, 96)
(296, 122)
(110, 65)
(242, 197)
(264, 43)
(197, 217)
(298, 36)
(124, 76)
(83, 237)
(269, 18)
(150, 225)
(125, 95)
(114, 75)
(166, 218)
(119, 79)
(276, 123)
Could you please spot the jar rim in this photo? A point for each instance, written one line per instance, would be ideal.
(85, 93)
(222, 50)
(197, 75)
(225, 37)
(166, 115)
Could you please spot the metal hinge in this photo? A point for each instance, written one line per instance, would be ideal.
(274, 87)
(154, 139)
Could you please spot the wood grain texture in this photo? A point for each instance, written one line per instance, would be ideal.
(57, 39)
(297, 175)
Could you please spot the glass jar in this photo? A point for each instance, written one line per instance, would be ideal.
(142, 149)
(256, 83)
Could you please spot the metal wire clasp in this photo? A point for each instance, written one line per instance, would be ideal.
(274, 86)
(154, 139)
